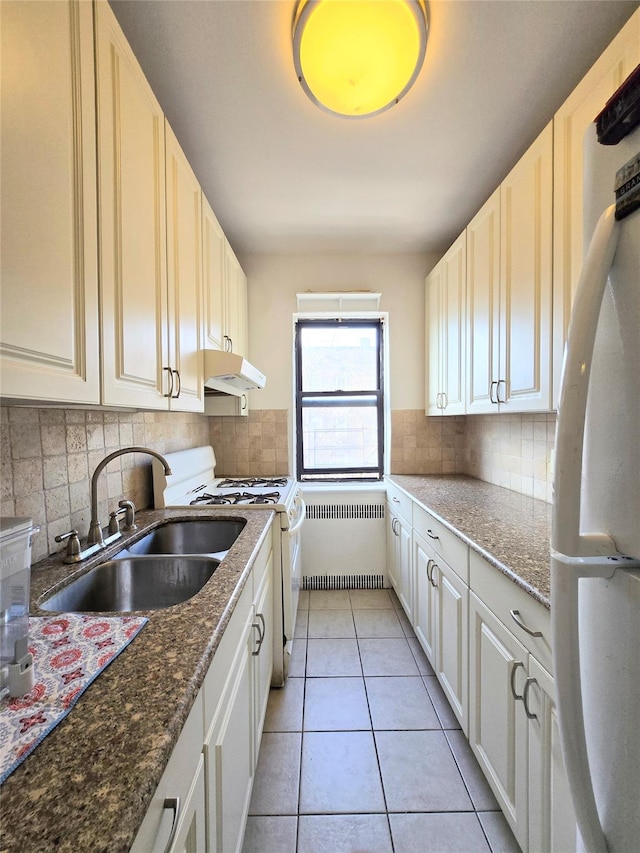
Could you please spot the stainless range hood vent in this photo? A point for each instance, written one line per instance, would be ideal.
(230, 373)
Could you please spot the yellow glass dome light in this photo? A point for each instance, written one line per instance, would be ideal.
(358, 57)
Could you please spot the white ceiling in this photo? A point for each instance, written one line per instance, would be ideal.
(284, 176)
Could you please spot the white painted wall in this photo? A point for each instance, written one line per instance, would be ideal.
(274, 281)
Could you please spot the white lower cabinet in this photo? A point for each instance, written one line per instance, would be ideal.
(441, 623)
(175, 820)
(202, 799)
(399, 564)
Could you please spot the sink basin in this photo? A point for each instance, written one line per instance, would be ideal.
(213, 537)
(134, 583)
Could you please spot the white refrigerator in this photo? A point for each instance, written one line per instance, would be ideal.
(595, 577)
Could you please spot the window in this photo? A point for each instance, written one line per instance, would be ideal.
(339, 399)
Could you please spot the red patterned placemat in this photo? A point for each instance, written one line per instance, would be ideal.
(69, 652)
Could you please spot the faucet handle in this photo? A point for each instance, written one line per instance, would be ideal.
(114, 522)
(130, 514)
(73, 542)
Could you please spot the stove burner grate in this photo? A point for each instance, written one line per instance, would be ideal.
(254, 482)
(236, 498)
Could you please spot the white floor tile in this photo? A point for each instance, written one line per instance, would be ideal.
(302, 622)
(437, 833)
(330, 599)
(336, 704)
(270, 834)
(377, 623)
(326, 658)
(303, 599)
(344, 834)
(387, 657)
(370, 599)
(481, 794)
(298, 659)
(498, 831)
(284, 709)
(420, 658)
(400, 703)
(330, 624)
(419, 773)
(275, 787)
(339, 774)
(448, 719)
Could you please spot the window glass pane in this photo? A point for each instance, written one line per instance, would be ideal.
(337, 437)
(339, 358)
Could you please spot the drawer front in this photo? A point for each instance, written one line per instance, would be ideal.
(399, 501)
(513, 606)
(445, 543)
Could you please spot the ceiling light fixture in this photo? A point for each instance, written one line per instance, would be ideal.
(358, 57)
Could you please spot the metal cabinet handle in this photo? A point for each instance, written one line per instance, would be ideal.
(516, 666)
(515, 615)
(177, 394)
(172, 803)
(431, 534)
(260, 631)
(170, 372)
(500, 382)
(525, 698)
(395, 499)
(493, 385)
(445, 400)
(434, 583)
(429, 568)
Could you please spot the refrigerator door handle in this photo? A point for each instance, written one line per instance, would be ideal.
(566, 537)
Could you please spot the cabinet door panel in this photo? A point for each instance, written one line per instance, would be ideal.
(483, 305)
(453, 350)
(184, 279)
(452, 647)
(405, 590)
(497, 722)
(132, 225)
(190, 834)
(263, 661)
(525, 299)
(49, 332)
(425, 598)
(433, 324)
(213, 246)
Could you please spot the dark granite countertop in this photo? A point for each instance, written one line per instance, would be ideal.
(88, 785)
(512, 531)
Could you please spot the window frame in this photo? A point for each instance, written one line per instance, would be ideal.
(359, 474)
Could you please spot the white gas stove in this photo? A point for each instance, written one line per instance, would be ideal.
(192, 484)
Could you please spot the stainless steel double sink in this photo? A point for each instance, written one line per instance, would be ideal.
(167, 566)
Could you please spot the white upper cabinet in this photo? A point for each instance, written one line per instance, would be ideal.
(483, 307)
(509, 288)
(133, 274)
(213, 273)
(526, 197)
(48, 258)
(184, 279)
(570, 124)
(235, 304)
(445, 303)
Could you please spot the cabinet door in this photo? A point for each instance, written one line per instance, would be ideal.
(213, 261)
(184, 279)
(403, 564)
(483, 307)
(262, 653)
(453, 308)
(450, 663)
(131, 175)
(190, 833)
(433, 324)
(497, 722)
(48, 201)
(425, 597)
(229, 753)
(392, 548)
(526, 269)
(552, 824)
(569, 126)
(235, 304)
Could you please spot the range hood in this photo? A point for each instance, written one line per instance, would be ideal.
(230, 373)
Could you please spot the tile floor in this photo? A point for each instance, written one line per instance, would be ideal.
(361, 752)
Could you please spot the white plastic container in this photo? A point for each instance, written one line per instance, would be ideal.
(16, 664)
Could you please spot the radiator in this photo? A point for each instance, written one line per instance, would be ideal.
(344, 539)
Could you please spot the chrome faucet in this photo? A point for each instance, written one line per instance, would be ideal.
(95, 530)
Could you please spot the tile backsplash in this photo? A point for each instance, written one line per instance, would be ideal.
(48, 455)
